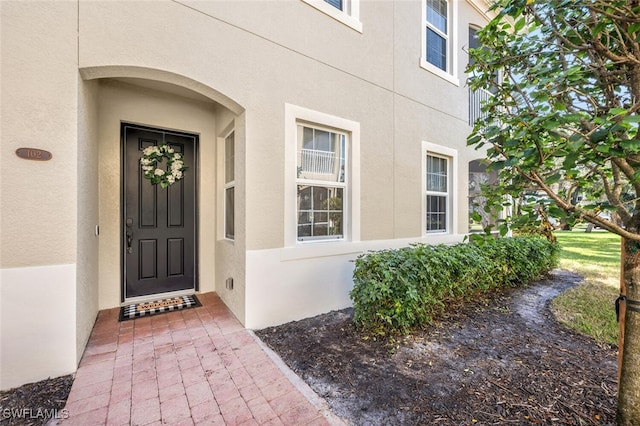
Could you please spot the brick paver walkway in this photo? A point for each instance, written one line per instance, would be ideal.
(197, 366)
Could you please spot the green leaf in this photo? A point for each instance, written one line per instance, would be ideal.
(476, 217)
(599, 28)
(630, 119)
(496, 165)
(559, 106)
(632, 145)
(572, 118)
(520, 23)
(556, 211)
(541, 97)
(633, 28)
(576, 145)
(550, 124)
(555, 178)
(530, 152)
(599, 135)
(512, 161)
(570, 160)
(474, 139)
(571, 173)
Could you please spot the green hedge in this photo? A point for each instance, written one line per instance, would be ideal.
(395, 290)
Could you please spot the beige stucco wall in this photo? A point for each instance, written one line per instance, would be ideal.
(303, 30)
(416, 123)
(38, 214)
(88, 261)
(39, 110)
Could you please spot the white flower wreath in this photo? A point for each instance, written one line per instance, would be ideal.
(153, 155)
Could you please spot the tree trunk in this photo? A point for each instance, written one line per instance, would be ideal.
(628, 413)
(621, 309)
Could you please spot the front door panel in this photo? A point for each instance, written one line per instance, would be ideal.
(159, 224)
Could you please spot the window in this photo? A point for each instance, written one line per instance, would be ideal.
(473, 41)
(321, 183)
(229, 186)
(345, 11)
(341, 5)
(438, 41)
(437, 201)
(322, 201)
(437, 36)
(439, 165)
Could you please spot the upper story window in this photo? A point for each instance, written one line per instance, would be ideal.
(323, 177)
(473, 41)
(342, 5)
(439, 163)
(345, 11)
(437, 34)
(438, 40)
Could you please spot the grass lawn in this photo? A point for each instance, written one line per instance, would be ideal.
(589, 308)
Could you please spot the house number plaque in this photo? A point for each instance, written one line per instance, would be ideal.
(34, 154)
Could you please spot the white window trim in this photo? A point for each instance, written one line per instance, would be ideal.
(293, 116)
(451, 75)
(452, 156)
(351, 19)
(222, 185)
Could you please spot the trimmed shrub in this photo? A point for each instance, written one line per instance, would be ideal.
(396, 290)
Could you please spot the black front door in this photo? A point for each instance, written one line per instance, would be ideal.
(158, 224)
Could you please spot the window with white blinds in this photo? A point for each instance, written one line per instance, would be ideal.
(439, 38)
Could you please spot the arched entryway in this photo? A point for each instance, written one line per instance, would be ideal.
(158, 103)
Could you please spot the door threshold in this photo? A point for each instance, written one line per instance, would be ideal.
(157, 296)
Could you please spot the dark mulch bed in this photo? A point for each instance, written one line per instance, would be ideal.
(503, 361)
(35, 403)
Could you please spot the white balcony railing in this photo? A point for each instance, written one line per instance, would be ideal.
(476, 99)
(317, 162)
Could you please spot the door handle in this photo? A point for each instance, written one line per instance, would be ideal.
(129, 223)
(129, 241)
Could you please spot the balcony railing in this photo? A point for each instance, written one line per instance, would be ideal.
(317, 161)
(476, 99)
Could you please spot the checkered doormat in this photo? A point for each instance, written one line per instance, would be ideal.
(138, 310)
